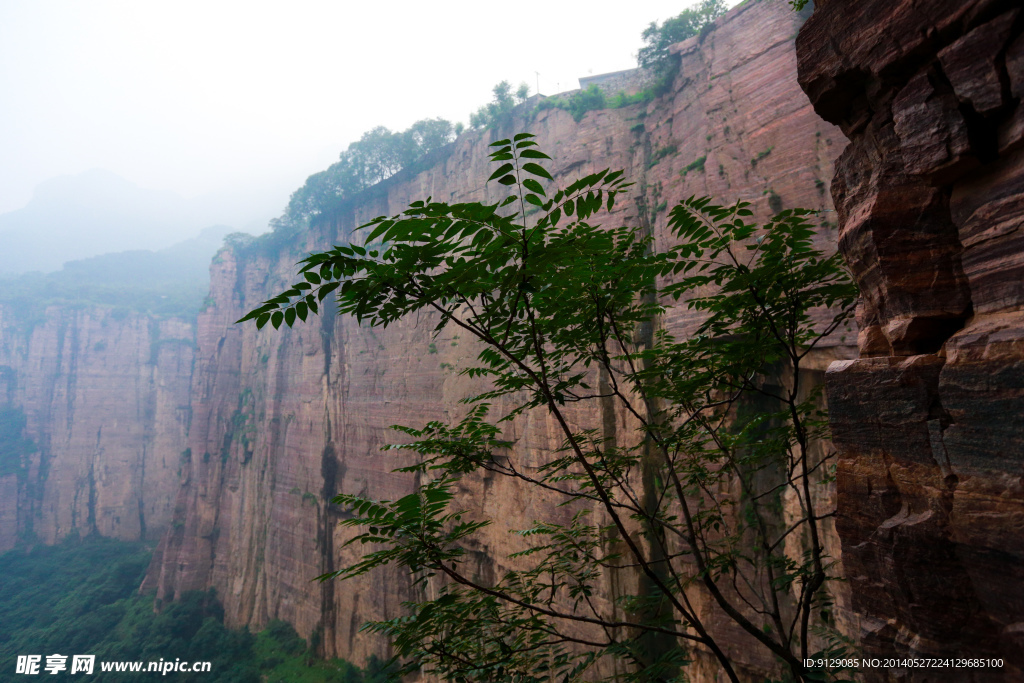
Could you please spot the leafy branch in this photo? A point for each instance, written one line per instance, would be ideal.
(707, 489)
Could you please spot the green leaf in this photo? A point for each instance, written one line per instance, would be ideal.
(533, 154)
(289, 317)
(537, 170)
(502, 170)
(533, 186)
(500, 143)
(327, 289)
(276, 319)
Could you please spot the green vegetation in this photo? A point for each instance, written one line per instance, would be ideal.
(580, 102)
(696, 165)
(377, 155)
(654, 55)
(662, 153)
(621, 99)
(689, 507)
(498, 112)
(80, 597)
(761, 155)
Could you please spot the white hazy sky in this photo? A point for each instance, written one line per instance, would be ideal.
(234, 96)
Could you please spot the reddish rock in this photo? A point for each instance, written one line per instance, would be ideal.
(931, 447)
(106, 399)
(971, 64)
(901, 245)
(931, 129)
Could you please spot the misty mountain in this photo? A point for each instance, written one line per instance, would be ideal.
(96, 212)
(171, 281)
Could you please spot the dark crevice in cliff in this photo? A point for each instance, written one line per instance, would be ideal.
(140, 499)
(91, 519)
(332, 473)
(325, 540)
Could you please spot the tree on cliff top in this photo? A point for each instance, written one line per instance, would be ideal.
(698, 506)
(498, 111)
(654, 55)
(376, 156)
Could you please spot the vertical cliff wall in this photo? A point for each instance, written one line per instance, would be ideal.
(94, 407)
(284, 420)
(930, 420)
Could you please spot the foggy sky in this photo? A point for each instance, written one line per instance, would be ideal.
(241, 100)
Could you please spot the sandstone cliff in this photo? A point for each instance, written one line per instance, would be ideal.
(98, 403)
(930, 420)
(282, 421)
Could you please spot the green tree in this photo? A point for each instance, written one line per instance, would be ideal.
(654, 55)
(710, 499)
(376, 156)
(498, 112)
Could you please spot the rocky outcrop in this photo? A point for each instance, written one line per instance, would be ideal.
(95, 408)
(929, 422)
(284, 420)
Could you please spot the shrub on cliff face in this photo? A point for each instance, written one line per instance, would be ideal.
(704, 494)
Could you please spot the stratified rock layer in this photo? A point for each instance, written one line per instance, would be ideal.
(284, 420)
(105, 400)
(929, 422)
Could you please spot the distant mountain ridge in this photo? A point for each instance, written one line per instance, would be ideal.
(169, 282)
(74, 217)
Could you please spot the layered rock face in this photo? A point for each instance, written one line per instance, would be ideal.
(97, 405)
(929, 421)
(284, 420)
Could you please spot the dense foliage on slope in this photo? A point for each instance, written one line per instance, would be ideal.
(80, 597)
